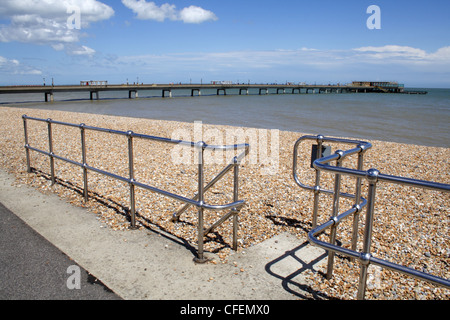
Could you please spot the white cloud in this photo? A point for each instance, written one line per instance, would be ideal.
(393, 51)
(13, 66)
(305, 64)
(83, 50)
(150, 11)
(407, 57)
(195, 14)
(443, 54)
(47, 21)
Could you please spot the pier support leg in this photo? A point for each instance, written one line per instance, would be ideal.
(46, 94)
(130, 94)
(245, 90)
(92, 94)
(164, 93)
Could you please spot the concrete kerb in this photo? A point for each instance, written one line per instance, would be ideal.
(141, 264)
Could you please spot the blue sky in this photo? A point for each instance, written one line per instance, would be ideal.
(261, 41)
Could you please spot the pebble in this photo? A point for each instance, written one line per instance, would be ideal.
(410, 225)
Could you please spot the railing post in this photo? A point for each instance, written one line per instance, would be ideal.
(372, 177)
(27, 151)
(337, 192)
(357, 198)
(132, 187)
(50, 150)
(235, 199)
(200, 258)
(317, 182)
(83, 156)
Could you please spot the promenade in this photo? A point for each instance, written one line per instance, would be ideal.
(138, 264)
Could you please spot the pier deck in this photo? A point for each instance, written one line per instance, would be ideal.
(167, 89)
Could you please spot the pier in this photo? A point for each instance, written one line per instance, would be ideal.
(94, 88)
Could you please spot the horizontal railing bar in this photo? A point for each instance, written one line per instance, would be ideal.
(362, 146)
(106, 173)
(53, 155)
(67, 160)
(320, 165)
(143, 136)
(414, 182)
(235, 205)
(326, 245)
(51, 121)
(188, 201)
(331, 139)
(410, 271)
(382, 263)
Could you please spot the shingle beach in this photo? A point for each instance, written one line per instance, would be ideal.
(411, 226)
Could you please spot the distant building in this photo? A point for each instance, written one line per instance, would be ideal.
(93, 83)
(221, 82)
(386, 86)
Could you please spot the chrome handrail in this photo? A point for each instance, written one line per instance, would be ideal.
(197, 201)
(339, 156)
(373, 176)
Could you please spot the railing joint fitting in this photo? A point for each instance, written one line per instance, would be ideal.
(362, 147)
(365, 258)
(316, 189)
(335, 220)
(340, 153)
(372, 175)
(202, 144)
(320, 138)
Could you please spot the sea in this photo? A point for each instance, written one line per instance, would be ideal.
(420, 119)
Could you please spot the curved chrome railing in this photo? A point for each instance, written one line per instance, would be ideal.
(197, 201)
(373, 177)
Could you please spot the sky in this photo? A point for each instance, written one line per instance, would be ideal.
(245, 41)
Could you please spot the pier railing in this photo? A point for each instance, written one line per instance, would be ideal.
(198, 200)
(373, 177)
